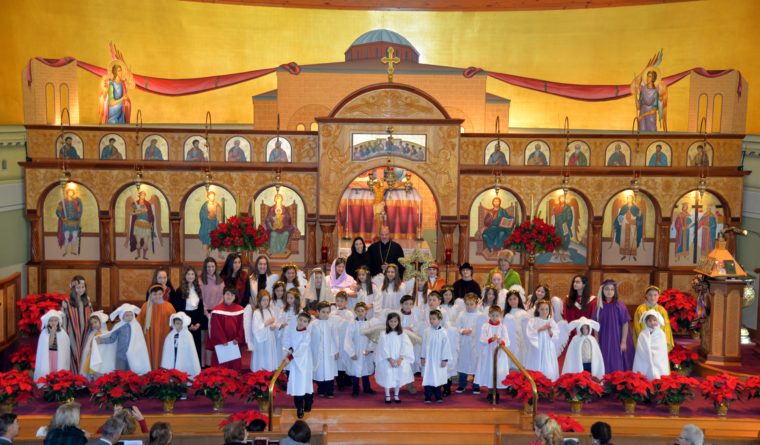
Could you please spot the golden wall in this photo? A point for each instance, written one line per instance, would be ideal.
(175, 39)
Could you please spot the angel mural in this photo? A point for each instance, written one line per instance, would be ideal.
(697, 221)
(115, 103)
(569, 215)
(651, 96)
(210, 216)
(628, 225)
(628, 229)
(143, 220)
(493, 217)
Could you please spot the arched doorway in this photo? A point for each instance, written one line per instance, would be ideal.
(391, 196)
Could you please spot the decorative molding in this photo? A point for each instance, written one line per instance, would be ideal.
(11, 196)
(751, 203)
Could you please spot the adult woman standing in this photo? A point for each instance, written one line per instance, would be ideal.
(235, 276)
(161, 276)
(580, 302)
(261, 278)
(212, 286)
(187, 299)
(358, 258)
(76, 315)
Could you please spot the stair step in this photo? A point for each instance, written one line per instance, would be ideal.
(440, 416)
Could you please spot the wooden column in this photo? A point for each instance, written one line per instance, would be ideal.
(463, 251)
(106, 230)
(721, 337)
(35, 235)
(596, 242)
(328, 245)
(175, 243)
(662, 244)
(311, 239)
(447, 229)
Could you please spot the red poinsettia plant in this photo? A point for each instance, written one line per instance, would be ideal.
(24, 358)
(238, 235)
(681, 308)
(33, 307)
(721, 389)
(674, 389)
(681, 359)
(217, 383)
(62, 386)
(567, 423)
(15, 386)
(752, 387)
(165, 384)
(518, 386)
(256, 384)
(534, 237)
(244, 416)
(116, 388)
(578, 387)
(628, 385)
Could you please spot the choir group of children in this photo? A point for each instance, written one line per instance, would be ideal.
(334, 328)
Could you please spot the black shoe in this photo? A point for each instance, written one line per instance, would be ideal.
(299, 413)
(308, 402)
(388, 400)
(446, 392)
(354, 394)
(370, 391)
(397, 400)
(489, 397)
(428, 401)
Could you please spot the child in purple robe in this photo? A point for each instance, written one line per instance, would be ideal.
(615, 339)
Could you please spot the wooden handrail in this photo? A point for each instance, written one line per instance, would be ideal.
(270, 390)
(533, 387)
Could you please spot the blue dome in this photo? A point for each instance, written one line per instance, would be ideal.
(382, 35)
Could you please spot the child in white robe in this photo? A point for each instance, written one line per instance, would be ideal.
(324, 348)
(651, 357)
(434, 303)
(411, 321)
(584, 353)
(366, 291)
(492, 334)
(294, 278)
(97, 327)
(53, 346)
(543, 342)
(392, 289)
(515, 318)
(455, 307)
(287, 318)
(124, 347)
(297, 344)
(468, 326)
(179, 348)
(342, 317)
(317, 290)
(434, 358)
(263, 334)
(358, 348)
(278, 295)
(393, 358)
(490, 298)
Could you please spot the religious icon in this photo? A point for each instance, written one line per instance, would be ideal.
(700, 154)
(697, 221)
(366, 146)
(278, 150)
(618, 154)
(238, 149)
(279, 219)
(196, 149)
(69, 212)
(628, 229)
(115, 103)
(112, 148)
(155, 148)
(658, 154)
(578, 155)
(71, 147)
(497, 153)
(210, 216)
(493, 217)
(651, 96)
(143, 217)
(537, 154)
(569, 215)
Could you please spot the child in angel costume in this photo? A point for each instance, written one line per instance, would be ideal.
(179, 347)
(53, 346)
(515, 318)
(97, 327)
(393, 358)
(584, 353)
(651, 357)
(124, 348)
(543, 342)
(261, 324)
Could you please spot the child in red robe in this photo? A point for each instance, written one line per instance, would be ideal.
(226, 326)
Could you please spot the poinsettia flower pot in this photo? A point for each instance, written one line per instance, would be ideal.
(169, 405)
(218, 404)
(263, 405)
(721, 409)
(7, 407)
(674, 409)
(576, 406)
(629, 406)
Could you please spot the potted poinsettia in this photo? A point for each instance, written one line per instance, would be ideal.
(628, 387)
(33, 307)
(247, 417)
(62, 386)
(682, 360)
(23, 358)
(518, 386)
(681, 308)
(673, 390)
(15, 386)
(567, 423)
(255, 386)
(721, 390)
(752, 387)
(166, 385)
(216, 384)
(578, 388)
(116, 388)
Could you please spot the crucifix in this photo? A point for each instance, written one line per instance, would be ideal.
(390, 60)
(696, 208)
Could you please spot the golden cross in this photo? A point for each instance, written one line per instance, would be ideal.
(390, 60)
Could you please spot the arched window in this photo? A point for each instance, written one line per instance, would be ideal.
(701, 110)
(300, 127)
(314, 126)
(64, 90)
(717, 112)
(50, 113)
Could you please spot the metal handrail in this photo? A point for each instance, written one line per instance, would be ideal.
(534, 388)
(270, 390)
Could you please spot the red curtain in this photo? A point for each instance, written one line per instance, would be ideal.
(356, 215)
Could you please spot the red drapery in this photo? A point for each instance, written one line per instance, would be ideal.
(356, 214)
(169, 87)
(592, 92)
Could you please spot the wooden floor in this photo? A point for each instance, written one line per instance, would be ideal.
(431, 425)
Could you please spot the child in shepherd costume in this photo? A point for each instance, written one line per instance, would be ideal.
(123, 348)
(53, 346)
(584, 353)
(179, 347)
(651, 357)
